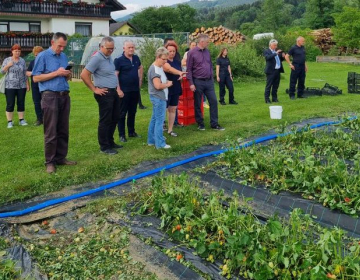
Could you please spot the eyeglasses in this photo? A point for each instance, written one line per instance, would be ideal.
(109, 49)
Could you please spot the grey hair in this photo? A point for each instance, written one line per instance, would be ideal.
(160, 52)
(272, 41)
(59, 35)
(202, 37)
(128, 42)
(105, 40)
(298, 38)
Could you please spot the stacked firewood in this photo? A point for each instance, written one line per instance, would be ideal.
(323, 38)
(219, 35)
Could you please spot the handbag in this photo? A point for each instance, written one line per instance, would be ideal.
(2, 84)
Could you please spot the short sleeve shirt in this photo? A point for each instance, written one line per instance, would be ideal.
(47, 62)
(157, 72)
(223, 63)
(298, 54)
(128, 72)
(175, 89)
(16, 74)
(103, 69)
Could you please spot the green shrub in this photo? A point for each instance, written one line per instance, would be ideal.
(147, 51)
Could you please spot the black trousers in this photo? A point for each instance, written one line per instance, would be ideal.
(272, 84)
(56, 110)
(128, 107)
(36, 95)
(297, 76)
(205, 88)
(225, 80)
(11, 95)
(109, 115)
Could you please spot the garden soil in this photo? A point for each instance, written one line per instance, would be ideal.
(64, 217)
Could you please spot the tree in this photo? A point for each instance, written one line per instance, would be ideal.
(165, 19)
(347, 28)
(274, 14)
(319, 13)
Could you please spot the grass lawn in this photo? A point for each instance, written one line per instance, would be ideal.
(22, 171)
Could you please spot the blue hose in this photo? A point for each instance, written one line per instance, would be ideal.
(151, 172)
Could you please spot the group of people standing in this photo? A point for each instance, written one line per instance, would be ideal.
(116, 88)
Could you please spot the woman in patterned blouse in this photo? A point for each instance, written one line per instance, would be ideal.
(16, 85)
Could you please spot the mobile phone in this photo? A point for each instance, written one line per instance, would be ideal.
(68, 67)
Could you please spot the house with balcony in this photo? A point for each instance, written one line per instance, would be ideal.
(32, 22)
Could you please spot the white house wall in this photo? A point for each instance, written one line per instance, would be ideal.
(99, 27)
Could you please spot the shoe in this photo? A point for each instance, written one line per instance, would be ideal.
(116, 146)
(172, 133)
(267, 101)
(166, 147)
(201, 127)
(38, 123)
(275, 100)
(135, 135)
(151, 145)
(66, 162)
(123, 139)
(292, 97)
(142, 107)
(50, 168)
(222, 102)
(109, 152)
(10, 125)
(233, 102)
(206, 105)
(218, 127)
(23, 123)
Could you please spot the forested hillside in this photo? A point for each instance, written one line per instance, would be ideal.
(197, 4)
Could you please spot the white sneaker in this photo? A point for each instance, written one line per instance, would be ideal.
(23, 123)
(167, 146)
(10, 125)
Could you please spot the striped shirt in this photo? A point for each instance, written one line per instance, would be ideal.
(46, 62)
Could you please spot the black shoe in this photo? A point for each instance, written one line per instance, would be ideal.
(109, 152)
(116, 146)
(267, 101)
(292, 97)
(142, 107)
(233, 102)
(218, 127)
(201, 127)
(123, 139)
(134, 135)
(222, 102)
(275, 100)
(301, 97)
(38, 122)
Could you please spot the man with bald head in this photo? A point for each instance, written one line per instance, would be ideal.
(298, 68)
(130, 74)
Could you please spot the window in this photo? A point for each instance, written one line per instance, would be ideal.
(83, 28)
(35, 27)
(4, 26)
(19, 26)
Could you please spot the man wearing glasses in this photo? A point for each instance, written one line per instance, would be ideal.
(106, 92)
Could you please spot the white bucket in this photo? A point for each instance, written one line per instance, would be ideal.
(276, 112)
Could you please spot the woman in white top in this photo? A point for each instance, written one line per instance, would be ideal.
(158, 91)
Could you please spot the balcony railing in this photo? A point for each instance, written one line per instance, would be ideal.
(57, 8)
(25, 39)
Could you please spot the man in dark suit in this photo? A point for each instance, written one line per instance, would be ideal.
(273, 69)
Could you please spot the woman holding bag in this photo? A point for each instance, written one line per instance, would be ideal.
(16, 85)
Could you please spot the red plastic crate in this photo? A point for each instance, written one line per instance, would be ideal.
(186, 103)
(186, 120)
(186, 112)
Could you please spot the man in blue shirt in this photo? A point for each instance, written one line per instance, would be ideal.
(130, 73)
(49, 71)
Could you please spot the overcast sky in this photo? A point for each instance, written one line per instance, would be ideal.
(136, 5)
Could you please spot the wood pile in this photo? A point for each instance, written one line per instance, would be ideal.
(219, 35)
(323, 38)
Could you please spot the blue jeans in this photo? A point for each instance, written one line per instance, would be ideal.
(155, 132)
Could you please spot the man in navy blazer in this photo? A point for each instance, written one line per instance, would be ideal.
(273, 69)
